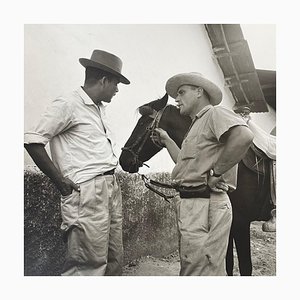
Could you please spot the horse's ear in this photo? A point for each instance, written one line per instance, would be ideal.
(153, 106)
(160, 103)
(145, 110)
(165, 99)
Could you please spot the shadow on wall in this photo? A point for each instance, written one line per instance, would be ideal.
(149, 226)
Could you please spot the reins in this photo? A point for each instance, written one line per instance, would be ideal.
(148, 182)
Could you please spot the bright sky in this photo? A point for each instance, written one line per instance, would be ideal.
(262, 43)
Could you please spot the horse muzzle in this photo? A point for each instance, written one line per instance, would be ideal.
(128, 164)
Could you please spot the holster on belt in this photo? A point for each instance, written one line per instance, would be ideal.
(201, 191)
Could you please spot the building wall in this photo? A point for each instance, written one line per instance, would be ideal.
(150, 53)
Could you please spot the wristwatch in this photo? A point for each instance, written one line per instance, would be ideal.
(212, 173)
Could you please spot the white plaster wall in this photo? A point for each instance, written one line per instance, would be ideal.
(150, 53)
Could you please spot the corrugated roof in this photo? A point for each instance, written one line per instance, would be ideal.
(234, 57)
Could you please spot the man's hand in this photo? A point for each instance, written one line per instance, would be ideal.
(162, 136)
(66, 186)
(216, 185)
(43, 161)
(165, 139)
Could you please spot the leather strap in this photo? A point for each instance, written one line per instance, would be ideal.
(110, 172)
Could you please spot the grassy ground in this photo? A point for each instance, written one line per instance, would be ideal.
(263, 247)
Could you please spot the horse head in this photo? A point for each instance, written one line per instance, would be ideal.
(140, 147)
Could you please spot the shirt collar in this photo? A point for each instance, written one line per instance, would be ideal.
(203, 111)
(199, 115)
(85, 97)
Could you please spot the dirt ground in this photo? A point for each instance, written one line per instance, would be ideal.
(263, 249)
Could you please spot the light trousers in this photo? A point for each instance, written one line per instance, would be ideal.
(203, 228)
(92, 220)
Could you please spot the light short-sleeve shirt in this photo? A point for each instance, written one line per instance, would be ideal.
(81, 141)
(202, 147)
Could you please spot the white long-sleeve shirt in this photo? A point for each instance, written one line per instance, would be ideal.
(81, 142)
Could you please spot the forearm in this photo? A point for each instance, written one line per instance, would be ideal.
(172, 149)
(237, 144)
(45, 164)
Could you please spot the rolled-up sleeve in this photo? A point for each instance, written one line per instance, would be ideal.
(57, 118)
(223, 119)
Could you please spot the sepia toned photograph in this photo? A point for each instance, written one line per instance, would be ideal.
(150, 150)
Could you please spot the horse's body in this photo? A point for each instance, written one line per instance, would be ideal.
(250, 201)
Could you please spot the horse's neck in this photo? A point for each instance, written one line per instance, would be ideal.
(177, 125)
(178, 136)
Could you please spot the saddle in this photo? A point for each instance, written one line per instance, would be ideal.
(256, 160)
(261, 157)
(264, 141)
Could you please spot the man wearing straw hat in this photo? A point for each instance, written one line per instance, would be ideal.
(82, 168)
(206, 168)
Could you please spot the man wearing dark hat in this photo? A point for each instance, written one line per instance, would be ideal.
(82, 167)
(206, 168)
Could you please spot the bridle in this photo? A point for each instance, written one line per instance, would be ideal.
(150, 132)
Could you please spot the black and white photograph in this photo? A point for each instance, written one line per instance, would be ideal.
(95, 201)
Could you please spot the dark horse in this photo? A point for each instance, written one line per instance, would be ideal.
(251, 201)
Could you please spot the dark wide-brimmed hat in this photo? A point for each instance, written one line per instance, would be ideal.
(107, 62)
(195, 79)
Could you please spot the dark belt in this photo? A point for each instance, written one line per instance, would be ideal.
(194, 192)
(110, 172)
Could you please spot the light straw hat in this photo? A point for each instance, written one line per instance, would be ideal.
(195, 79)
